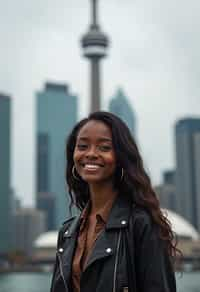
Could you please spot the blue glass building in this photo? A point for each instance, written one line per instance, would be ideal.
(56, 115)
(187, 134)
(5, 190)
(120, 106)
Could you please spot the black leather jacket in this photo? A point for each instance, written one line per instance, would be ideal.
(106, 269)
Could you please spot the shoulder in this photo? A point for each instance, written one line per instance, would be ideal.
(141, 216)
(143, 223)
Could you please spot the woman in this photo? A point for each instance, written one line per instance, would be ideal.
(121, 241)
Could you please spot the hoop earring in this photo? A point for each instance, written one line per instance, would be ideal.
(122, 174)
(74, 174)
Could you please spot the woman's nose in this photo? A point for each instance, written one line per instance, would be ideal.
(91, 152)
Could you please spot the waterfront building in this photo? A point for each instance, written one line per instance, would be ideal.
(46, 202)
(187, 134)
(56, 110)
(5, 192)
(15, 201)
(28, 224)
(44, 248)
(120, 106)
(167, 195)
(167, 191)
(169, 177)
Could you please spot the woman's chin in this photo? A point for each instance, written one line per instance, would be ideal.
(91, 179)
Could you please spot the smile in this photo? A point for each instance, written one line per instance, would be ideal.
(91, 166)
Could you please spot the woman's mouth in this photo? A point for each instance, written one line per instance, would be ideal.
(91, 167)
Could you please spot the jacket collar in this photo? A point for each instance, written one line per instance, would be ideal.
(120, 213)
(118, 217)
(70, 229)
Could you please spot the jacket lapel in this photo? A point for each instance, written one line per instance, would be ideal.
(106, 243)
(104, 246)
(67, 247)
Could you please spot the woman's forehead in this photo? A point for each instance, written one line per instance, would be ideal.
(93, 129)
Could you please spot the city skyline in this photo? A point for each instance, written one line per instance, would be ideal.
(153, 58)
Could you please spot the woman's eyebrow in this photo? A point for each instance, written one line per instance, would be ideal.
(82, 138)
(100, 139)
(104, 139)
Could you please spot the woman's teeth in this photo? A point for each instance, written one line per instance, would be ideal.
(91, 166)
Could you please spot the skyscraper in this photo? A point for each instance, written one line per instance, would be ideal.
(167, 191)
(56, 115)
(28, 225)
(120, 106)
(187, 133)
(5, 190)
(94, 44)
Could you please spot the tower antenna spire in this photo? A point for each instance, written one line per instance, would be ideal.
(94, 13)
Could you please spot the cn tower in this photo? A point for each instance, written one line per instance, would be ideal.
(95, 44)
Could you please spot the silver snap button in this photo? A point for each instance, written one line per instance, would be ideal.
(66, 232)
(123, 222)
(108, 250)
(61, 250)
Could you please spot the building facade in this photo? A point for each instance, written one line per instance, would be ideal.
(120, 106)
(169, 177)
(166, 191)
(56, 115)
(46, 202)
(187, 132)
(5, 190)
(167, 196)
(28, 225)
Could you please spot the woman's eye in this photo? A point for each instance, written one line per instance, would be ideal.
(105, 147)
(81, 146)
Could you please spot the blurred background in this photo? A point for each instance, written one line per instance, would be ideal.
(60, 60)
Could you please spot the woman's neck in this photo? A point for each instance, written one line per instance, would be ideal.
(101, 196)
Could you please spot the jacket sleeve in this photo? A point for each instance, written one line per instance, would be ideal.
(154, 269)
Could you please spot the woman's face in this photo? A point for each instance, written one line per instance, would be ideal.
(94, 155)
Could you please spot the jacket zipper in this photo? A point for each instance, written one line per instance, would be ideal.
(62, 274)
(116, 261)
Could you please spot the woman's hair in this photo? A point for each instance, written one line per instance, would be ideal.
(135, 183)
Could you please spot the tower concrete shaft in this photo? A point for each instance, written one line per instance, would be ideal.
(95, 85)
(94, 44)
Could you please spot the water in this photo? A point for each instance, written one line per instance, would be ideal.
(189, 282)
(25, 282)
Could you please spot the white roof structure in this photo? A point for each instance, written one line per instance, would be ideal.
(179, 225)
(47, 240)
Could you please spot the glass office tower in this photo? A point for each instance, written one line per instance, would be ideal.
(56, 115)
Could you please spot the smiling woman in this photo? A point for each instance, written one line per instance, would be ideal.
(121, 241)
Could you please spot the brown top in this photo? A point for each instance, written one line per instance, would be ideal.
(89, 231)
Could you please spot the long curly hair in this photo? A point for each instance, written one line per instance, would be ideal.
(135, 184)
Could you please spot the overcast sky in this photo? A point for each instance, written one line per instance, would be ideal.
(154, 57)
